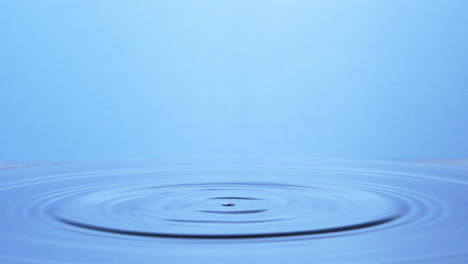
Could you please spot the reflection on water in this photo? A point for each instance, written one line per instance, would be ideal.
(317, 211)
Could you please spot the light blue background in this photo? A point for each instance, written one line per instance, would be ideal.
(92, 80)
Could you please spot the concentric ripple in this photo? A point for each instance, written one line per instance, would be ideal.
(225, 210)
(319, 211)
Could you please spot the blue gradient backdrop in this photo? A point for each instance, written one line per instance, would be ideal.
(92, 80)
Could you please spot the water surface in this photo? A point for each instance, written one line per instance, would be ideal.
(317, 211)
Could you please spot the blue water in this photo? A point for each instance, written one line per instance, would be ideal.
(314, 211)
(253, 79)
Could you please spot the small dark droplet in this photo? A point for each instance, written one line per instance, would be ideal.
(228, 204)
